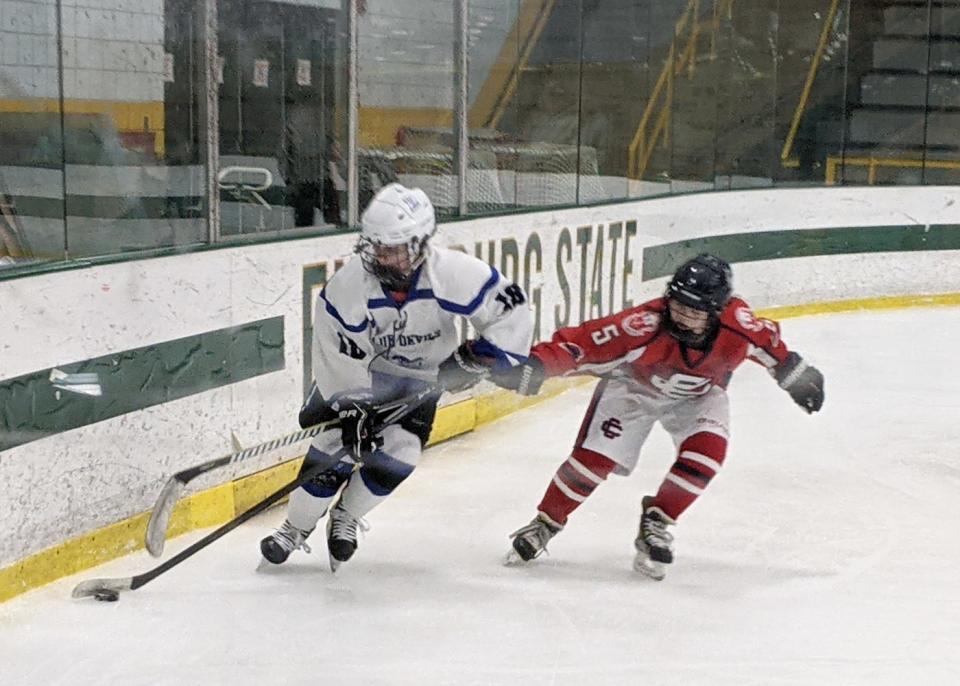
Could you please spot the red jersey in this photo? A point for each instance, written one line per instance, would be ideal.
(637, 344)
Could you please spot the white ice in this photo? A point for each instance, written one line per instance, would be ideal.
(826, 552)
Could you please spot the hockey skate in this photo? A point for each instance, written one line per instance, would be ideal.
(653, 542)
(530, 541)
(276, 547)
(342, 530)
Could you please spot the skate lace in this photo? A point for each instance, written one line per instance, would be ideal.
(291, 537)
(655, 533)
(539, 530)
(344, 526)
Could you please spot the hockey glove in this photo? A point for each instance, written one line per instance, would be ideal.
(525, 379)
(802, 381)
(461, 370)
(357, 417)
(315, 409)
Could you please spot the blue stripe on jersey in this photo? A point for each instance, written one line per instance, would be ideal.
(332, 311)
(414, 294)
(484, 348)
(422, 294)
(471, 306)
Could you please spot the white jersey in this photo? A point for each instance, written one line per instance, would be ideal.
(360, 331)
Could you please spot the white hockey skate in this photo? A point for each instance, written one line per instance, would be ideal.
(530, 541)
(653, 542)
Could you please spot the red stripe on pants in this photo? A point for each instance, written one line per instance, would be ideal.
(672, 498)
(556, 504)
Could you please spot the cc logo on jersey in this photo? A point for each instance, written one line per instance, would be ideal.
(612, 428)
(640, 323)
(681, 385)
(748, 321)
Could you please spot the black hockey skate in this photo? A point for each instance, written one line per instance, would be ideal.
(530, 541)
(653, 541)
(342, 530)
(276, 547)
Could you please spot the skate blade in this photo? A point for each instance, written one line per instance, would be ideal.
(513, 559)
(334, 564)
(265, 566)
(649, 568)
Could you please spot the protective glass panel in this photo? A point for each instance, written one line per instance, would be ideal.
(406, 97)
(524, 106)
(746, 104)
(281, 166)
(682, 131)
(942, 95)
(133, 157)
(618, 40)
(31, 144)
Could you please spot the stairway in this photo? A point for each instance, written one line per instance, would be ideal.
(907, 105)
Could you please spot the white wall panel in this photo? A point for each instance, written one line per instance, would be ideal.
(62, 485)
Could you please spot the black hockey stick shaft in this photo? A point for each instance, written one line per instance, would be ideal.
(94, 587)
(141, 579)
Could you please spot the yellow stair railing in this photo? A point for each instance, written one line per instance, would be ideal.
(654, 126)
(874, 164)
(785, 154)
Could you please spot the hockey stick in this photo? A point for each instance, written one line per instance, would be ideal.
(109, 589)
(156, 533)
(172, 490)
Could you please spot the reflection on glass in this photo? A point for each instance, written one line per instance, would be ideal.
(524, 102)
(280, 162)
(618, 40)
(405, 91)
(31, 150)
(745, 152)
(569, 102)
(898, 125)
(941, 94)
(132, 152)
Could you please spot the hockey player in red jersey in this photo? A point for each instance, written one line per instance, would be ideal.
(667, 360)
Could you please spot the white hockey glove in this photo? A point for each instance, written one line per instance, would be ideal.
(802, 381)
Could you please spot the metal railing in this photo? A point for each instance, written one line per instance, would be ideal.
(785, 157)
(874, 164)
(654, 126)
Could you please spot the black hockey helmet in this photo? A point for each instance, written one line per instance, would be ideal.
(704, 283)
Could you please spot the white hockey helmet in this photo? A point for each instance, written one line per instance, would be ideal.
(394, 232)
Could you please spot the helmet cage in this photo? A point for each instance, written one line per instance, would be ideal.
(392, 276)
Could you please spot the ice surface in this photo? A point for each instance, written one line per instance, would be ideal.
(826, 552)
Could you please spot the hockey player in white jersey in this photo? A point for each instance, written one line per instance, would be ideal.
(384, 324)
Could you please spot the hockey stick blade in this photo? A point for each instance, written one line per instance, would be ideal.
(156, 534)
(94, 587)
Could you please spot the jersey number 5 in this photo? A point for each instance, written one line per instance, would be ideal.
(511, 297)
